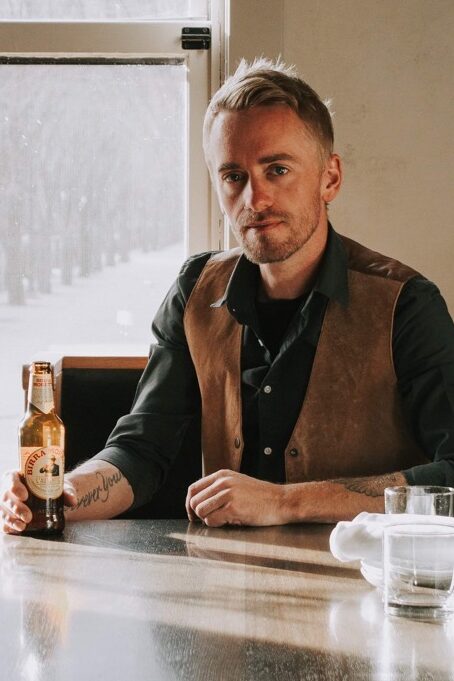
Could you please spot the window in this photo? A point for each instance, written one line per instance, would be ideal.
(103, 186)
(104, 9)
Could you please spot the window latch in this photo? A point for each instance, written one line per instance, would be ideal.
(193, 38)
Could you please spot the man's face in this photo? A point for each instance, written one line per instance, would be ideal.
(268, 173)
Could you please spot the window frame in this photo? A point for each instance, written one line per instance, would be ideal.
(146, 39)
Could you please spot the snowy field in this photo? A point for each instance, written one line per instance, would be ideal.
(108, 313)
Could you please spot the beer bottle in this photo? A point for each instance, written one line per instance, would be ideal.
(41, 443)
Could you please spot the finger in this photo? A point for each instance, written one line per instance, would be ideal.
(222, 516)
(69, 495)
(16, 510)
(15, 513)
(208, 480)
(194, 489)
(19, 489)
(207, 493)
(218, 482)
(190, 513)
(6, 529)
(212, 504)
(204, 486)
(12, 524)
(218, 518)
(16, 526)
(13, 484)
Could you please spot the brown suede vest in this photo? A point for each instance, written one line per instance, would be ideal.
(351, 420)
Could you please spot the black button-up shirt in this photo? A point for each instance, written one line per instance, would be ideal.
(279, 343)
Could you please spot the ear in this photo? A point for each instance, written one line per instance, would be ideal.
(331, 178)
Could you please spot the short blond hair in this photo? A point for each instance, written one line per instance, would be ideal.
(266, 83)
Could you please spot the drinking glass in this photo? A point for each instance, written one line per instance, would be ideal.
(420, 499)
(418, 564)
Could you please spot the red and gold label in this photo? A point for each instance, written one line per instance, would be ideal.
(43, 469)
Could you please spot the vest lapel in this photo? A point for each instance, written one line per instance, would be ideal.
(214, 339)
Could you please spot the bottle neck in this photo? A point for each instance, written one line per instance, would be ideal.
(40, 393)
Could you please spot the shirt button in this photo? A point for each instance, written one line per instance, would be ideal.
(268, 451)
(293, 452)
(267, 389)
(237, 443)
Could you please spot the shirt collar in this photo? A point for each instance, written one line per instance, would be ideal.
(332, 280)
(239, 294)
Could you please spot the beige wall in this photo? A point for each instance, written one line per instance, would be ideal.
(387, 65)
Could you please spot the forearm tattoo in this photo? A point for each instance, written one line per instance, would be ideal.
(373, 486)
(99, 493)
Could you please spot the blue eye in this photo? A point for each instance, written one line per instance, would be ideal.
(279, 170)
(233, 177)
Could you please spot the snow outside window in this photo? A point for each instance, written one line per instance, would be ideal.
(99, 202)
(103, 9)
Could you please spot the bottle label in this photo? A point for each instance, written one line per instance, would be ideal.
(43, 469)
(42, 396)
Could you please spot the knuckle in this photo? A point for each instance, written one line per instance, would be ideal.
(7, 507)
(13, 495)
(200, 510)
(225, 478)
(21, 493)
(8, 525)
(17, 485)
(5, 514)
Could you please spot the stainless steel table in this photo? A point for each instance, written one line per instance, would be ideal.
(168, 600)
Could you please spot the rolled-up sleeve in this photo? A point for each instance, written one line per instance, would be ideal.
(145, 442)
(423, 347)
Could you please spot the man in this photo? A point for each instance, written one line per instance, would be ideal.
(310, 360)
(52, 468)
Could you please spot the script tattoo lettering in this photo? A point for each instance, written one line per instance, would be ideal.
(99, 493)
(372, 486)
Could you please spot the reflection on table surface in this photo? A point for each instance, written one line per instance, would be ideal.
(168, 600)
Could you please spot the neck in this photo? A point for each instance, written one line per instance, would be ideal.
(296, 275)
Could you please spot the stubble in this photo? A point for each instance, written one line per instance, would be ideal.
(280, 242)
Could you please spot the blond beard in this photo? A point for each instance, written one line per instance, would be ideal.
(263, 248)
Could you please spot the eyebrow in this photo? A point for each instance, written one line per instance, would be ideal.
(263, 159)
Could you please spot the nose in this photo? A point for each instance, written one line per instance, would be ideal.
(257, 195)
